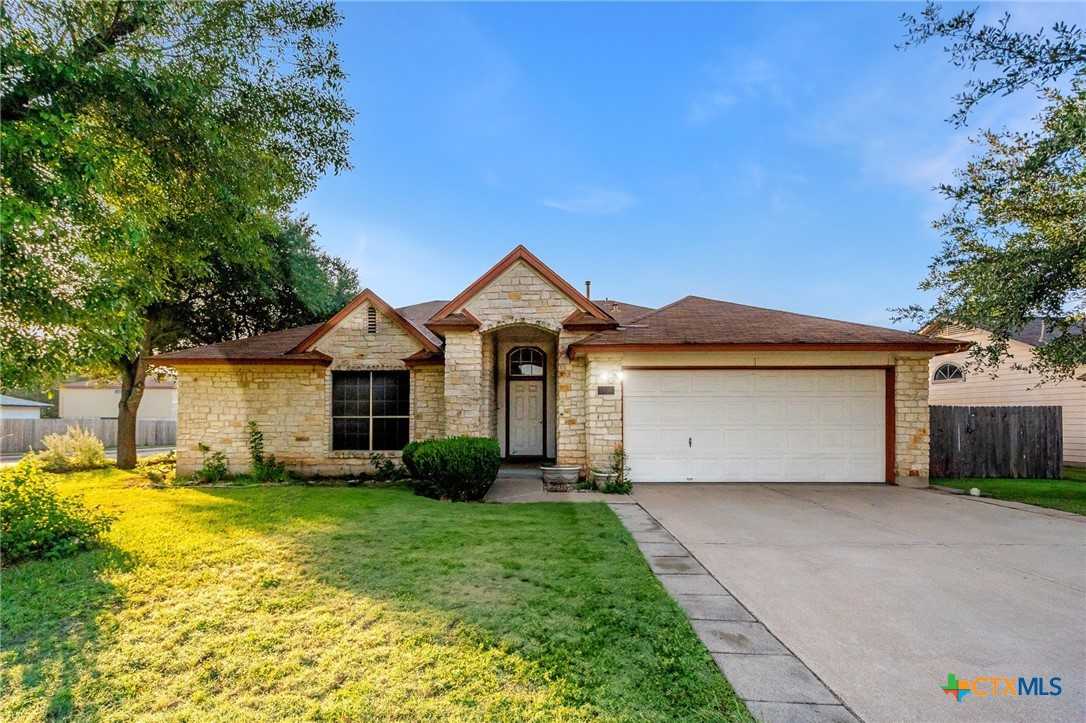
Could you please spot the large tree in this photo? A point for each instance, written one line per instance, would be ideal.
(1014, 242)
(146, 146)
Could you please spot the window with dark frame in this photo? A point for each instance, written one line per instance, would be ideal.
(948, 373)
(370, 410)
(526, 361)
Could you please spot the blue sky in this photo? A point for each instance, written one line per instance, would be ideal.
(779, 155)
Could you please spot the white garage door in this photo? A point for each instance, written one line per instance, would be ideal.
(730, 425)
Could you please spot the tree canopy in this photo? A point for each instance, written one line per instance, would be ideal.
(1014, 242)
(149, 146)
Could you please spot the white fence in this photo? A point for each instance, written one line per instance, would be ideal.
(19, 435)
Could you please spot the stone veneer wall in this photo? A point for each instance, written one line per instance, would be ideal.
(603, 413)
(911, 421)
(386, 349)
(216, 403)
(572, 448)
(428, 402)
(463, 383)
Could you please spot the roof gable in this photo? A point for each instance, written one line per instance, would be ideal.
(521, 255)
(419, 334)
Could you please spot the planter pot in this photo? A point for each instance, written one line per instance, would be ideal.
(560, 479)
(603, 478)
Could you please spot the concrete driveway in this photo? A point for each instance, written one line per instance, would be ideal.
(883, 591)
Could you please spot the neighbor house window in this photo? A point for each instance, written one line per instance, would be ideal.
(948, 373)
(370, 410)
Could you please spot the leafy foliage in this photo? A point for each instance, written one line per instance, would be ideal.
(148, 147)
(1023, 60)
(36, 522)
(1013, 246)
(408, 456)
(458, 468)
(214, 467)
(265, 467)
(386, 469)
(159, 469)
(620, 468)
(76, 449)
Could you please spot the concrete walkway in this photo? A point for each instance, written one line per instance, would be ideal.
(881, 592)
(773, 682)
(524, 483)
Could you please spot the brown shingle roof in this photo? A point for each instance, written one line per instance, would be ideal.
(262, 348)
(697, 321)
(621, 311)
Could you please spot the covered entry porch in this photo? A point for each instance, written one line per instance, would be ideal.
(525, 391)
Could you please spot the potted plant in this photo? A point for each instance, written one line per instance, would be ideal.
(560, 478)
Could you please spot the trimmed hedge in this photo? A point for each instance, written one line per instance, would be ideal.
(459, 468)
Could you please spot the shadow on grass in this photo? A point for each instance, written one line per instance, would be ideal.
(340, 603)
(560, 585)
(50, 614)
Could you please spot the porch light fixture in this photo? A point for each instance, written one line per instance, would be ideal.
(609, 377)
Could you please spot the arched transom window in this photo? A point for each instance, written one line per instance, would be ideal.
(526, 361)
(948, 373)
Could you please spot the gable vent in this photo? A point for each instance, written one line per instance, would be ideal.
(371, 320)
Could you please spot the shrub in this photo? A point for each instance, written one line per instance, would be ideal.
(266, 468)
(459, 468)
(159, 469)
(409, 459)
(76, 449)
(214, 468)
(621, 484)
(386, 469)
(36, 522)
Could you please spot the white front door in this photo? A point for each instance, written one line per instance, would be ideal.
(526, 418)
(730, 425)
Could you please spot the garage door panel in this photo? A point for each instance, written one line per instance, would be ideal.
(738, 411)
(771, 441)
(674, 411)
(707, 411)
(770, 383)
(756, 426)
(737, 441)
(768, 411)
(801, 411)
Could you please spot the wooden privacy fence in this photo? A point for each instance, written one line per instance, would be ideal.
(1015, 442)
(19, 435)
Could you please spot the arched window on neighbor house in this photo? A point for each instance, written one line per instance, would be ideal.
(948, 373)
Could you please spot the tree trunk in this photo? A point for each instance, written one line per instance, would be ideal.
(133, 378)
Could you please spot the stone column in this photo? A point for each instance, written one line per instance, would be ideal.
(464, 384)
(911, 422)
(603, 412)
(570, 446)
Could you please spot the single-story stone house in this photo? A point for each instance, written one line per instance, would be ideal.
(698, 390)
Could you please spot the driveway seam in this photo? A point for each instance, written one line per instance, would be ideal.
(811, 709)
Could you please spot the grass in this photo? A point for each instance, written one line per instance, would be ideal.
(1068, 494)
(305, 603)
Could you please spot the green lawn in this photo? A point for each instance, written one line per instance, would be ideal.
(338, 604)
(1068, 494)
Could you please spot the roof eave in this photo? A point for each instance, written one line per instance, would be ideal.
(323, 360)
